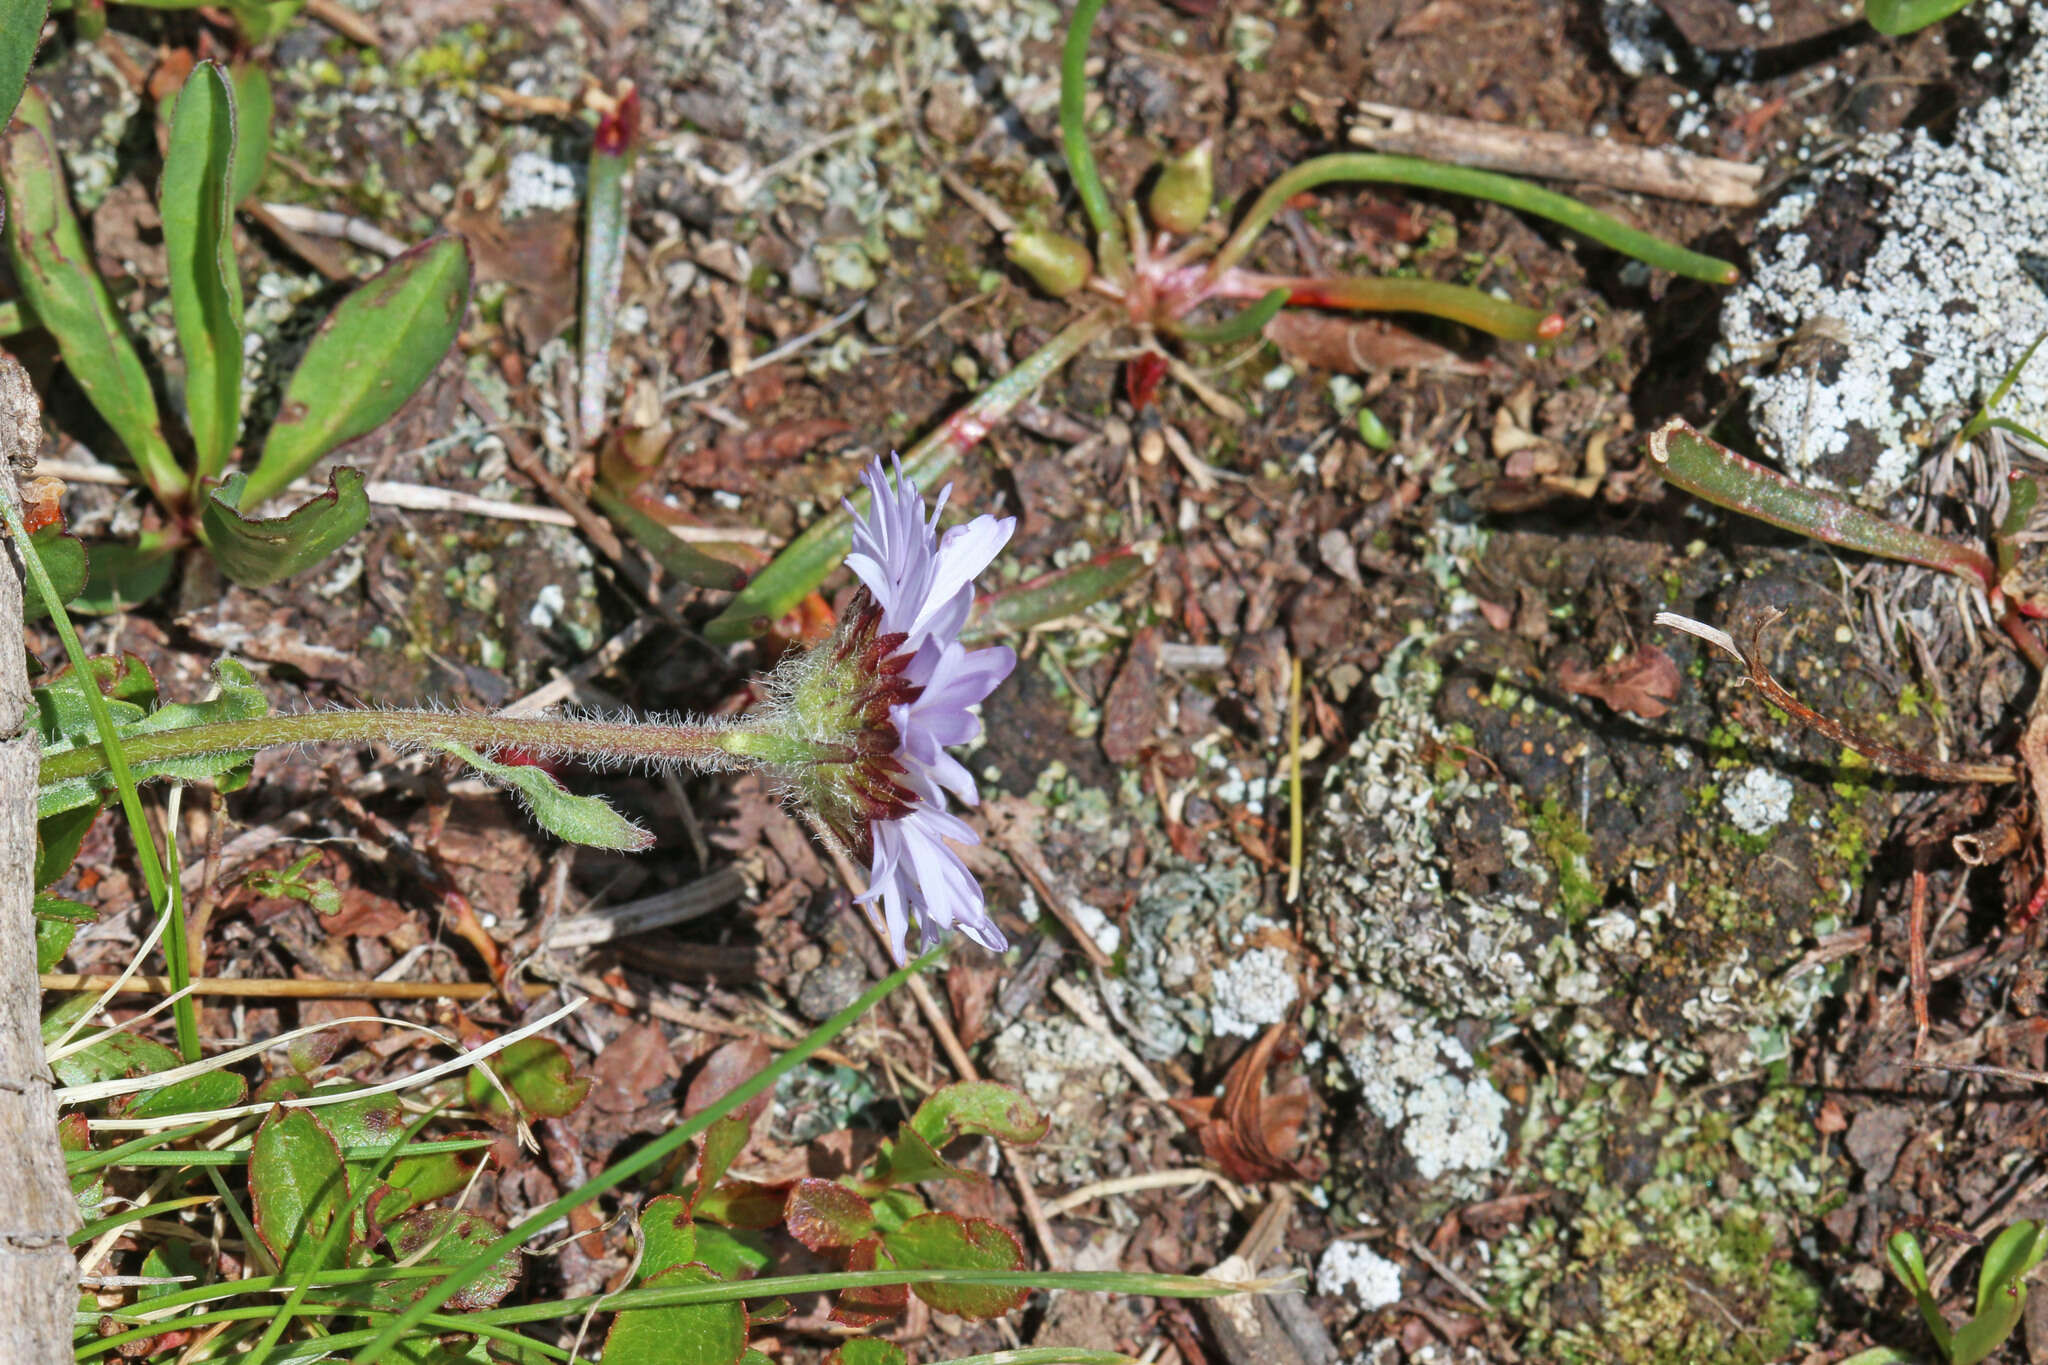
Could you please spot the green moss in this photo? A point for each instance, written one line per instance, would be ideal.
(1685, 1267)
(1565, 843)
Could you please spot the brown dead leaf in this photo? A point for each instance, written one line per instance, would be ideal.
(535, 256)
(971, 986)
(1135, 707)
(1640, 683)
(1254, 1133)
(1360, 345)
(631, 1069)
(730, 463)
(725, 1070)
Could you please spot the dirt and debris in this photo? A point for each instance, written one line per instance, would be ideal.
(1588, 1036)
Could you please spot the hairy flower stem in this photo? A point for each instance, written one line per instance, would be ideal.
(699, 746)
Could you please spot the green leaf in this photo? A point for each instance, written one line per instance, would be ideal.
(259, 552)
(1902, 1250)
(667, 1236)
(262, 20)
(587, 820)
(2010, 1256)
(946, 1241)
(196, 200)
(868, 1351)
(1987, 1331)
(679, 560)
(539, 1075)
(1049, 597)
(823, 1214)
(723, 1142)
(63, 721)
(1894, 17)
(298, 1187)
(113, 1057)
(53, 939)
(908, 1159)
(194, 1095)
(978, 1109)
(64, 556)
(57, 841)
(255, 108)
(604, 258)
(375, 349)
(742, 1204)
(688, 1334)
(166, 1259)
(55, 271)
(21, 29)
(124, 576)
(454, 1236)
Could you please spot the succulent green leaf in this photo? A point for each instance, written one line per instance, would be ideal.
(687, 1334)
(196, 199)
(1903, 1252)
(64, 556)
(298, 1186)
(539, 1075)
(452, 1236)
(371, 354)
(667, 1236)
(586, 820)
(604, 259)
(257, 552)
(946, 1241)
(2010, 1256)
(1993, 1323)
(124, 575)
(55, 270)
(824, 1214)
(978, 1109)
(255, 108)
(679, 560)
(1049, 597)
(21, 29)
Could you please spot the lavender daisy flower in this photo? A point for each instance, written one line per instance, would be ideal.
(922, 587)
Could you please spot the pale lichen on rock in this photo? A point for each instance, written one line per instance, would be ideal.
(1881, 334)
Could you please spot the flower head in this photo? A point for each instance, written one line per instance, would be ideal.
(921, 587)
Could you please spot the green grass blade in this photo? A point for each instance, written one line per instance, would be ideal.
(195, 199)
(165, 895)
(1109, 232)
(647, 1156)
(1501, 189)
(604, 260)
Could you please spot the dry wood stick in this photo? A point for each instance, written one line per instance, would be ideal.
(277, 988)
(1666, 173)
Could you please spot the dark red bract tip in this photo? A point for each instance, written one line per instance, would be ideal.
(616, 130)
(1552, 326)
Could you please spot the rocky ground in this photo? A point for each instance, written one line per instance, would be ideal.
(1587, 1035)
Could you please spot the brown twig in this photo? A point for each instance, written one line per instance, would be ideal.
(1751, 656)
(1557, 156)
(1916, 958)
(277, 988)
(345, 21)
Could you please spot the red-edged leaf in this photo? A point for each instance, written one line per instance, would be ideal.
(946, 1241)
(743, 1204)
(908, 1159)
(870, 1304)
(539, 1075)
(450, 1237)
(978, 1109)
(868, 1351)
(824, 1214)
(723, 1142)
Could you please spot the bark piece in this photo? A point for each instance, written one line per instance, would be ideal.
(38, 1276)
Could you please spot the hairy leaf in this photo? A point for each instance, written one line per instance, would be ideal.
(824, 1214)
(64, 556)
(450, 1236)
(948, 1241)
(586, 820)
